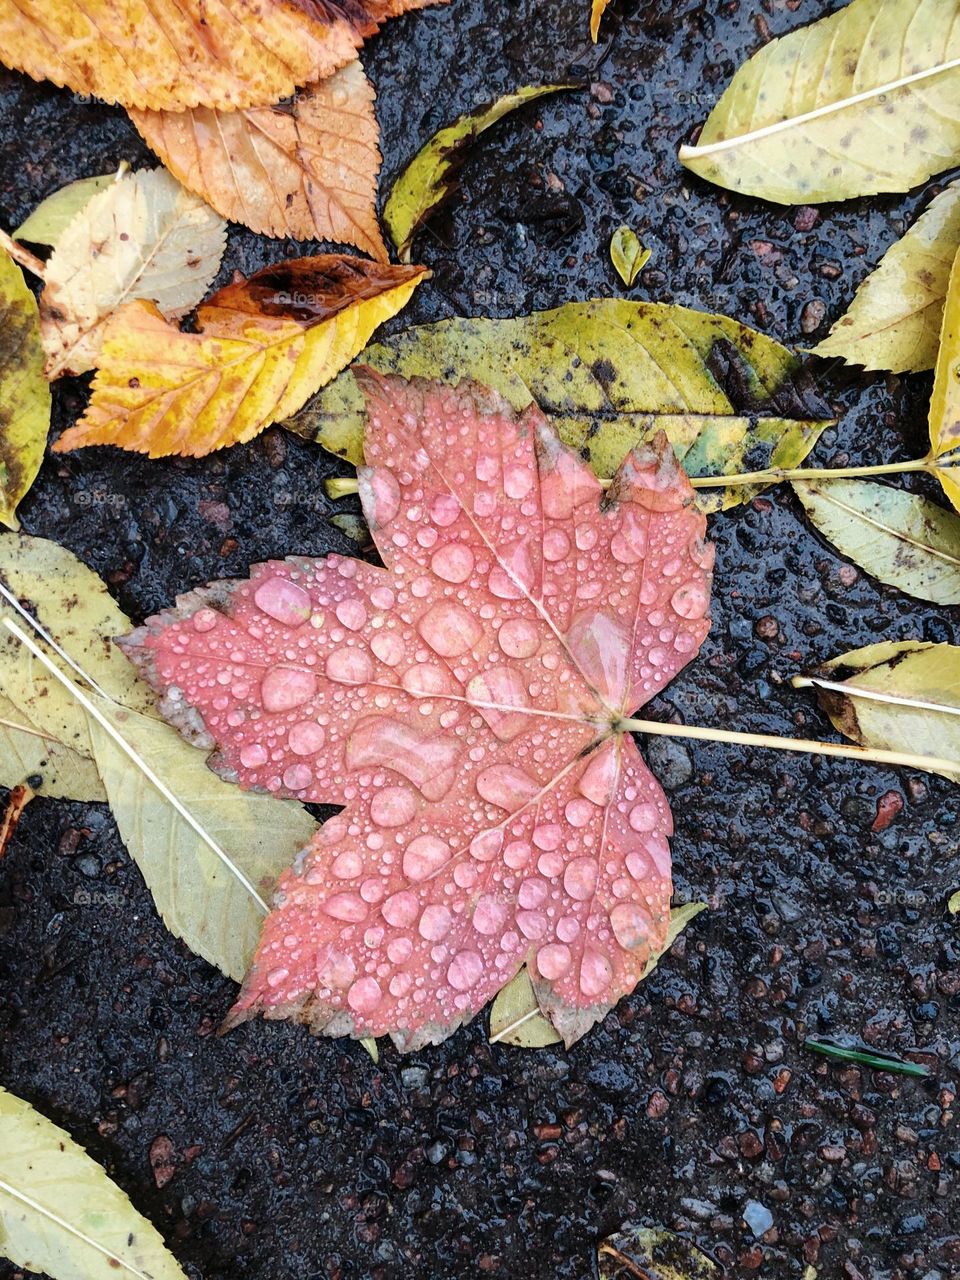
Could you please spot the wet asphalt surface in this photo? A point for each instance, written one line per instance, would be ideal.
(693, 1106)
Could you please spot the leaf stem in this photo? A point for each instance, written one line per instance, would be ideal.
(933, 764)
(774, 474)
(23, 256)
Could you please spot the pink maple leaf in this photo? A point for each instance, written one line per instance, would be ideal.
(463, 704)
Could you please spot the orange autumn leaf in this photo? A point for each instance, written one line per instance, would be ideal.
(306, 168)
(265, 345)
(176, 54)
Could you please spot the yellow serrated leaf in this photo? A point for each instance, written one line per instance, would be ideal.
(264, 346)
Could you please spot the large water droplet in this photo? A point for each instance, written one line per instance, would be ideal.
(601, 646)
(600, 776)
(517, 481)
(644, 817)
(424, 856)
(393, 807)
(532, 924)
(253, 755)
(435, 923)
(506, 786)
(691, 600)
(283, 601)
(596, 972)
(631, 925)
(205, 620)
(306, 738)
(489, 915)
(485, 846)
(364, 995)
(346, 906)
(379, 494)
(580, 878)
(465, 971)
(533, 893)
(453, 562)
(492, 693)
(519, 638)
(296, 777)
(553, 960)
(579, 812)
(351, 614)
(444, 509)
(401, 909)
(347, 865)
(449, 629)
(284, 688)
(349, 666)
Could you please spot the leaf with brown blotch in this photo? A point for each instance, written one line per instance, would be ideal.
(305, 168)
(177, 54)
(465, 703)
(265, 345)
(144, 236)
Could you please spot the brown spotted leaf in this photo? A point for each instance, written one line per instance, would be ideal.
(464, 703)
(305, 168)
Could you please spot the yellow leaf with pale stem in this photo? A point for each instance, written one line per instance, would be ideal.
(305, 168)
(265, 345)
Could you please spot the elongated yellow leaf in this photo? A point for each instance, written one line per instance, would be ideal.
(305, 168)
(53, 215)
(24, 394)
(212, 892)
(265, 345)
(944, 421)
(78, 613)
(515, 1016)
(902, 539)
(894, 320)
(611, 373)
(145, 236)
(597, 10)
(429, 178)
(25, 752)
(210, 885)
(61, 1214)
(865, 100)
(894, 695)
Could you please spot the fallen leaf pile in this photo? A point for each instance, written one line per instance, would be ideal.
(463, 703)
(234, 98)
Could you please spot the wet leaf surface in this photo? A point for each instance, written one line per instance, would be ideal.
(265, 345)
(24, 394)
(650, 1253)
(464, 703)
(61, 1214)
(611, 374)
(865, 100)
(894, 319)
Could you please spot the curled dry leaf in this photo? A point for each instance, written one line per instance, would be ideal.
(611, 374)
(944, 419)
(177, 54)
(894, 320)
(265, 345)
(305, 167)
(865, 100)
(597, 9)
(53, 215)
(430, 177)
(515, 1016)
(210, 880)
(61, 1214)
(895, 695)
(650, 1253)
(628, 255)
(904, 540)
(463, 703)
(143, 237)
(24, 393)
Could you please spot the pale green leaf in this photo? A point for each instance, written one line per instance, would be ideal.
(944, 418)
(429, 178)
(954, 904)
(52, 216)
(628, 255)
(515, 1014)
(25, 752)
(611, 374)
(904, 540)
(865, 100)
(214, 892)
(645, 1253)
(61, 1214)
(24, 393)
(895, 695)
(894, 320)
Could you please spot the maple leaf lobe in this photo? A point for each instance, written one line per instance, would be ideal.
(461, 703)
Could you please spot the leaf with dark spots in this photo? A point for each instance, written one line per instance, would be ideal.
(465, 704)
(610, 374)
(264, 345)
(430, 177)
(24, 392)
